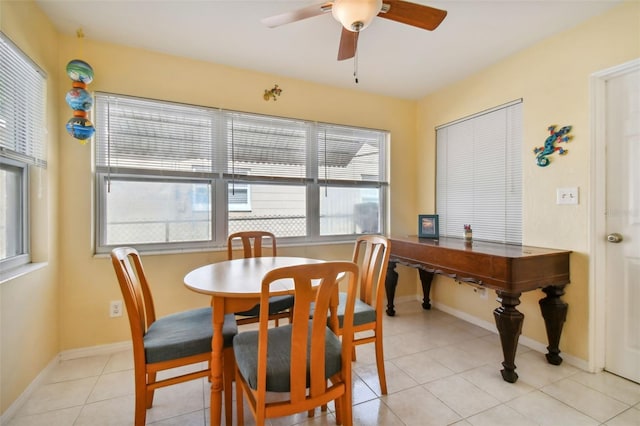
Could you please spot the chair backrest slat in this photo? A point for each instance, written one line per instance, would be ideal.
(252, 243)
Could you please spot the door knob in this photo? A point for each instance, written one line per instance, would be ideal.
(614, 237)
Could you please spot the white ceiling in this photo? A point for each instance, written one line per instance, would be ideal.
(393, 59)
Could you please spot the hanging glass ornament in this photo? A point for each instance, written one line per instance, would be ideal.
(79, 70)
(79, 99)
(80, 128)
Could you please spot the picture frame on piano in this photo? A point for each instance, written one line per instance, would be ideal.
(428, 226)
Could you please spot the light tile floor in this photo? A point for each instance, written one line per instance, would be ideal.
(440, 371)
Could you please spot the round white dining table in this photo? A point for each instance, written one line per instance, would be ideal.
(234, 286)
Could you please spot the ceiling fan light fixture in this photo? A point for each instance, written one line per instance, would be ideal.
(355, 15)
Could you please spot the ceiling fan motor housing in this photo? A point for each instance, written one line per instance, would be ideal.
(355, 15)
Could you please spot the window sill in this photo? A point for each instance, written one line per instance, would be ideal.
(21, 270)
(348, 239)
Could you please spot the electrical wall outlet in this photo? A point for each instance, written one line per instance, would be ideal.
(115, 308)
(482, 292)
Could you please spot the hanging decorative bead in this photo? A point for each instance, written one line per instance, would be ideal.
(79, 99)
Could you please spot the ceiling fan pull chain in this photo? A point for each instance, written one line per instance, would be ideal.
(355, 70)
(355, 62)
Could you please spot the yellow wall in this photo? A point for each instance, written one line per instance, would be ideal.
(29, 324)
(553, 79)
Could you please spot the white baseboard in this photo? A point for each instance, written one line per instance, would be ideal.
(62, 356)
(523, 340)
(33, 386)
(409, 298)
(95, 350)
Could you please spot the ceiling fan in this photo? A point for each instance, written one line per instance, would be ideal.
(356, 15)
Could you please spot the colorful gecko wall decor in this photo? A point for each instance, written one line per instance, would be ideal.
(550, 147)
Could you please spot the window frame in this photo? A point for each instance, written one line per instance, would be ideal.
(22, 138)
(103, 181)
(23, 240)
(221, 175)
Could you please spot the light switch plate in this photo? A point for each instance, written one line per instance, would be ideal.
(567, 196)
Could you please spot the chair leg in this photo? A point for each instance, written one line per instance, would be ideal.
(260, 418)
(141, 412)
(229, 363)
(380, 363)
(346, 401)
(239, 396)
(347, 411)
(151, 378)
(339, 406)
(140, 416)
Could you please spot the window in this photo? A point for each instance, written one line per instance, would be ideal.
(22, 111)
(173, 176)
(13, 207)
(479, 175)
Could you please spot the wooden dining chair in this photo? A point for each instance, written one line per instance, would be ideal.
(172, 341)
(253, 243)
(371, 253)
(305, 359)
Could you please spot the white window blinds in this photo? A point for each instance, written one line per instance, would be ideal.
(153, 135)
(22, 106)
(479, 175)
(350, 154)
(137, 135)
(267, 146)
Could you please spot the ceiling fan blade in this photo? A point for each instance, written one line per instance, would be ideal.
(297, 15)
(348, 44)
(417, 15)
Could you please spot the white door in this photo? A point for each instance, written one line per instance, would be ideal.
(622, 224)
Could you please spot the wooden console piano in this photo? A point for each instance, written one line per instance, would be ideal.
(507, 269)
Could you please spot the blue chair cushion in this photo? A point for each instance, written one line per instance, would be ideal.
(184, 334)
(245, 348)
(276, 304)
(362, 313)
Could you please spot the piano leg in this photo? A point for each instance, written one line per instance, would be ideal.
(509, 323)
(554, 312)
(390, 284)
(425, 278)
